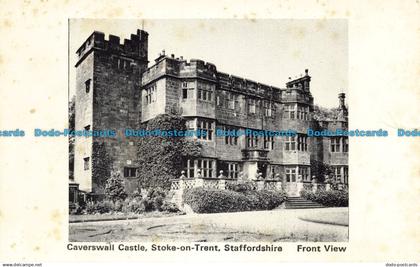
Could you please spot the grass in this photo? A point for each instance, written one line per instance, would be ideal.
(185, 232)
(119, 216)
(336, 218)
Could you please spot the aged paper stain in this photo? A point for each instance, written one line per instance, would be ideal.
(56, 216)
(7, 23)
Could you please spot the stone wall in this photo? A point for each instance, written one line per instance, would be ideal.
(83, 117)
(113, 102)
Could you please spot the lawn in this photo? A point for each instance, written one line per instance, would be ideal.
(334, 218)
(119, 216)
(252, 226)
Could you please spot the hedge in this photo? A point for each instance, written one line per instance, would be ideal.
(207, 200)
(331, 198)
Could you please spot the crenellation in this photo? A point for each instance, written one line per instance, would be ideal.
(134, 48)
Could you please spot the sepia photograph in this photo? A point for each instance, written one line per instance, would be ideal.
(208, 130)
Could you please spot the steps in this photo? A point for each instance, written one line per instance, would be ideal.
(301, 203)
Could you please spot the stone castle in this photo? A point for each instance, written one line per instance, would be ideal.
(116, 88)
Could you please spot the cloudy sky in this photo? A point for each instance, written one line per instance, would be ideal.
(266, 51)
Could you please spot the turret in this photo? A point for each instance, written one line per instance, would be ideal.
(343, 112)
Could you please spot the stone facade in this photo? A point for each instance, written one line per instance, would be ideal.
(126, 92)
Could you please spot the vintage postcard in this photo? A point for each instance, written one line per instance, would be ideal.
(285, 132)
(250, 148)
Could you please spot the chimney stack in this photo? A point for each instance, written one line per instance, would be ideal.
(342, 97)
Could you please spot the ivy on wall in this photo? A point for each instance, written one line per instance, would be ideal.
(160, 158)
(101, 166)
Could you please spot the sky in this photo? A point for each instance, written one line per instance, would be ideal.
(266, 51)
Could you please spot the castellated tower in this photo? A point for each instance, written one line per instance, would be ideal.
(108, 76)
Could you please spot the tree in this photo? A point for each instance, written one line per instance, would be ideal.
(321, 113)
(72, 121)
(160, 158)
(320, 169)
(114, 188)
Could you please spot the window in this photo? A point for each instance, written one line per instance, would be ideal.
(207, 126)
(335, 144)
(252, 141)
(346, 174)
(130, 172)
(87, 127)
(218, 102)
(231, 100)
(302, 143)
(290, 143)
(205, 92)
(272, 172)
(231, 140)
(190, 125)
(251, 106)
(337, 173)
(304, 173)
(206, 167)
(269, 142)
(205, 95)
(150, 94)
(86, 163)
(267, 109)
(233, 170)
(302, 113)
(187, 88)
(189, 168)
(87, 85)
(345, 144)
(290, 111)
(122, 64)
(290, 174)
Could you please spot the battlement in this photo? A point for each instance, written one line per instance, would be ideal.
(179, 67)
(242, 85)
(196, 68)
(135, 47)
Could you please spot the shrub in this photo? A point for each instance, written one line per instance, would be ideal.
(154, 198)
(103, 206)
(169, 207)
(242, 186)
(332, 198)
(114, 188)
(267, 199)
(77, 209)
(136, 194)
(206, 200)
(134, 205)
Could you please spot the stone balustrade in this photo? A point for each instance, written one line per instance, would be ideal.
(224, 183)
